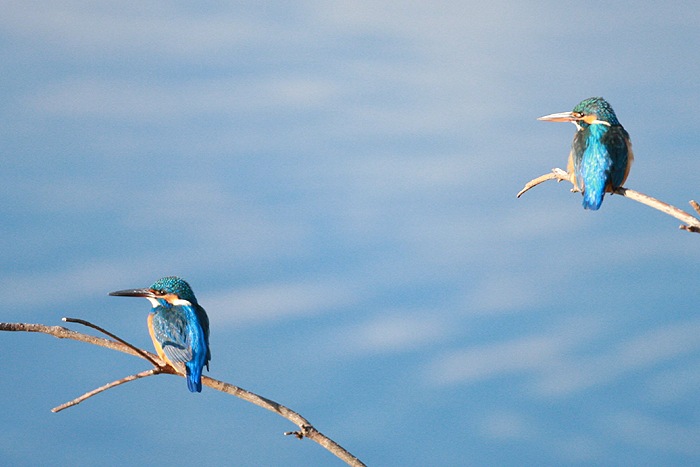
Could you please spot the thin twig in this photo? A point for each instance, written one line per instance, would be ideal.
(94, 392)
(306, 429)
(691, 223)
(143, 353)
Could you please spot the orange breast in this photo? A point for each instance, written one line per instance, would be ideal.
(156, 344)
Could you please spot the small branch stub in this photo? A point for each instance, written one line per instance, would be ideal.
(695, 205)
(301, 433)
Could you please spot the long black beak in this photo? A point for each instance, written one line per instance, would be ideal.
(133, 293)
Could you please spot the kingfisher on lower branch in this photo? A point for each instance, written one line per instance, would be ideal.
(601, 153)
(178, 325)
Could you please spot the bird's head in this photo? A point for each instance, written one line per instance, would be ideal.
(167, 291)
(591, 111)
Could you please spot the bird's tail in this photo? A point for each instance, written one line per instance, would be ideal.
(592, 199)
(194, 377)
(594, 189)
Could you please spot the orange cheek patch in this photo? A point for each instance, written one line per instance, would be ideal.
(170, 298)
(590, 119)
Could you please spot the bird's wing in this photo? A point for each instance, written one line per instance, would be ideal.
(616, 140)
(575, 164)
(170, 329)
(204, 323)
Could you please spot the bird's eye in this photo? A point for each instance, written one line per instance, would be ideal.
(578, 114)
(159, 292)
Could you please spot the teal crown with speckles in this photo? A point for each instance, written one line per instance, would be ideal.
(599, 107)
(177, 286)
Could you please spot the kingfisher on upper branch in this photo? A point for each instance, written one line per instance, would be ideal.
(179, 327)
(601, 153)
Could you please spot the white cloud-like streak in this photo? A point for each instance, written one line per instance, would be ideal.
(265, 303)
(559, 362)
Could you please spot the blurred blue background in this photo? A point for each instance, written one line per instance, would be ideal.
(337, 181)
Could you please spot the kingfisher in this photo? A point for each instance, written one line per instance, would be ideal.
(601, 153)
(178, 325)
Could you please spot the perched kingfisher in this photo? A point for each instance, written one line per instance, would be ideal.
(179, 327)
(601, 153)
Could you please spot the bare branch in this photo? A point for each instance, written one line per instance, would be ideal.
(306, 430)
(558, 174)
(691, 223)
(64, 333)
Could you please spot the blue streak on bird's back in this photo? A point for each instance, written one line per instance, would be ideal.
(594, 169)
